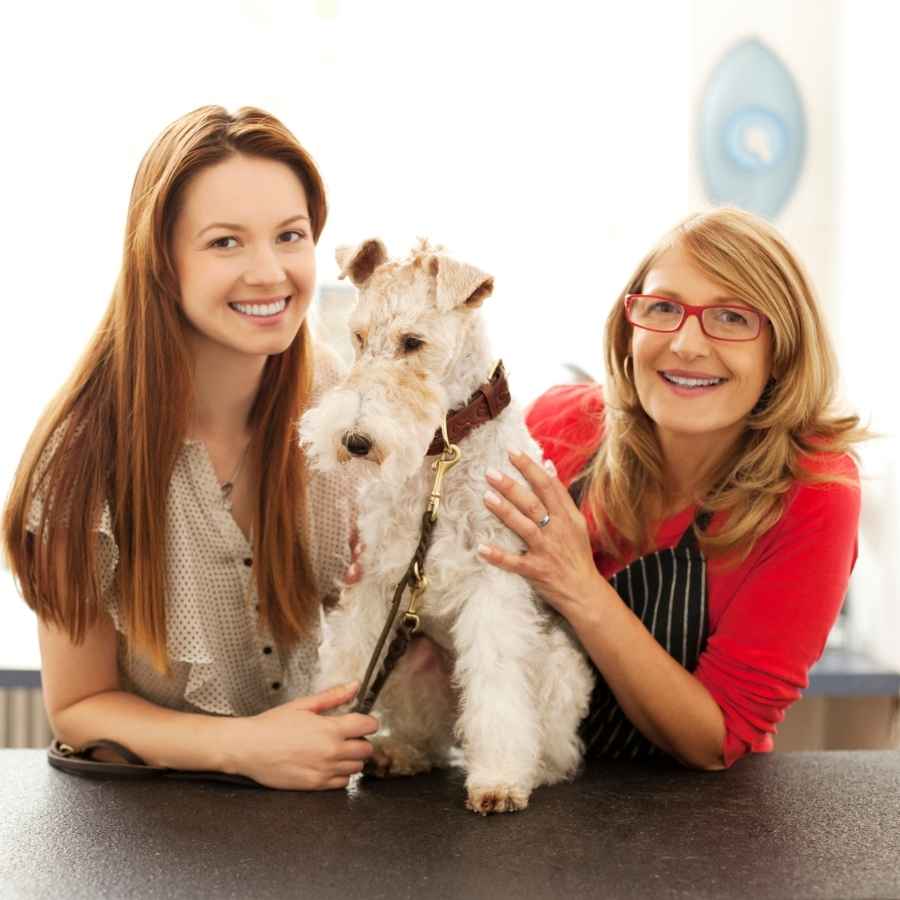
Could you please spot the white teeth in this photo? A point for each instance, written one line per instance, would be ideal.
(692, 382)
(260, 309)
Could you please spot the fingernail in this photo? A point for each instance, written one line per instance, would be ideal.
(515, 454)
(493, 475)
(484, 550)
(491, 498)
(351, 686)
(353, 569)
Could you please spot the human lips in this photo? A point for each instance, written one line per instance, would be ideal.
(264, 308)
(684, 382)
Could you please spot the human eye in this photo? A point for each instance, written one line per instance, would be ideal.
(217, 243)
(662, 307)
(733, 317)
(299, 236)
(731, 323)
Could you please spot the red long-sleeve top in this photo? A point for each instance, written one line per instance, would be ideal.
(769, 616)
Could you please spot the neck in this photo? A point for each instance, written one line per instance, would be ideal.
(225, 386)
(471, 368)
(689, 461)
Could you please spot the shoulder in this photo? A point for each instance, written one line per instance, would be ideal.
(567, 421)
(567, 409)
(840, 466)
(817, 529)
(828, 484)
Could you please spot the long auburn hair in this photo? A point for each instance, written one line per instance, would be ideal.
(795, 415)
(113, 432)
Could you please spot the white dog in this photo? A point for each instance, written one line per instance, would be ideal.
(520, 686)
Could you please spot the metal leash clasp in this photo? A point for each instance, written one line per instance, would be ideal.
(418, 587)
(449, 457)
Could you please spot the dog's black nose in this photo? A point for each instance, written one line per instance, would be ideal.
(357, 444)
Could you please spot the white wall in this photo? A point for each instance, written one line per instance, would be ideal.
(533, 139)
(869, 290)
(803, 34)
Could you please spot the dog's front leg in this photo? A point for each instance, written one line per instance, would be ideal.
(350, 633)
(495, 634)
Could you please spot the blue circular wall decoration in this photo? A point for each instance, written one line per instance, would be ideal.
(752, 132)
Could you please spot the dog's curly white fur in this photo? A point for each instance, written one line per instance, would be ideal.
(518, 684)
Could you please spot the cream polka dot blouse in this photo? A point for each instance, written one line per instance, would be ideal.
(223, 660)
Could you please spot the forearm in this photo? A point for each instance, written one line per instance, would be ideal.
(160, 736)
(660, 697)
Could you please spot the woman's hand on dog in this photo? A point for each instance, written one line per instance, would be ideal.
(558, 560)
(296, 746)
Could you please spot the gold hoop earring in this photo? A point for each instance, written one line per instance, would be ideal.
(628, 378)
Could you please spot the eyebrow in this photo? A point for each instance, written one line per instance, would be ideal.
(724, 300)
(235, 227)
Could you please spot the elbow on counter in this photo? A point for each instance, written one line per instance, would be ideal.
(701, 761)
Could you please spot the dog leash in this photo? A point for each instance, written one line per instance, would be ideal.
(415, 580)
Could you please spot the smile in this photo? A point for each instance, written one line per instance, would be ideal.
(689, 383)
(261, 310)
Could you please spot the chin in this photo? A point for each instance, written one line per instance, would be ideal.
(697, 425)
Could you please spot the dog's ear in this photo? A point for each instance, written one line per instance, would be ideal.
(459, 284)
(358, 263)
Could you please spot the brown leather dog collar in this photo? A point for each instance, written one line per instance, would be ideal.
(488, 401)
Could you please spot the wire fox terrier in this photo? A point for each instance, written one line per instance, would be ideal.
(516, 685)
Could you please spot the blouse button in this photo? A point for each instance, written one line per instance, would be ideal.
(276, 685)
(267, 650)
(248, 562)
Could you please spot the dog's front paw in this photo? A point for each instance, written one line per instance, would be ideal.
(496, 798)
(394, 758)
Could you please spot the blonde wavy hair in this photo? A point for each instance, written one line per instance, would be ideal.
(795, 415)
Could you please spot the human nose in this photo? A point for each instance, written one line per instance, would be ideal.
(690, 341)
(264, 268)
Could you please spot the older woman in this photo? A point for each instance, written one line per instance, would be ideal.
(704, 546)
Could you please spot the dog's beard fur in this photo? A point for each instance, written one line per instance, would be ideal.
(400, 433)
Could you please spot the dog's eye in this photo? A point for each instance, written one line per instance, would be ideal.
(411, 343)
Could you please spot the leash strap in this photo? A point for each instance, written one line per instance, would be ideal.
(369, 690)
(81, 762)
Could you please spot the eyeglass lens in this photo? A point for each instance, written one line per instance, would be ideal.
(724, 322)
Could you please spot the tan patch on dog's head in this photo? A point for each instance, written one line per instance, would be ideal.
(418, 395)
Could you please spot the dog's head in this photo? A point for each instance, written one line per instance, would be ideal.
(410, 326)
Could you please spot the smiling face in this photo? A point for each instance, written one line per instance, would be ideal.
(245, 256)
(733, 374)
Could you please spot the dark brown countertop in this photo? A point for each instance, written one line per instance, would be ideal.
(804, 825)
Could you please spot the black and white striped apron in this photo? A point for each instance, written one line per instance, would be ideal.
(667, 591)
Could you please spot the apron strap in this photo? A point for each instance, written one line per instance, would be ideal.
(689, 538)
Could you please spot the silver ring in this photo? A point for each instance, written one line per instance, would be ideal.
(544, 522)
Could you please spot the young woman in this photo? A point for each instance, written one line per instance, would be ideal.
(162, 523)
(718, 504)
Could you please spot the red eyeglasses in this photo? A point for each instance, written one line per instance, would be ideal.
(721, 323)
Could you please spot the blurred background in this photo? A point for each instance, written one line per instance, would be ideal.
(549, 143)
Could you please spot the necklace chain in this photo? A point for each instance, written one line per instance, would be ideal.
(228, 486)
